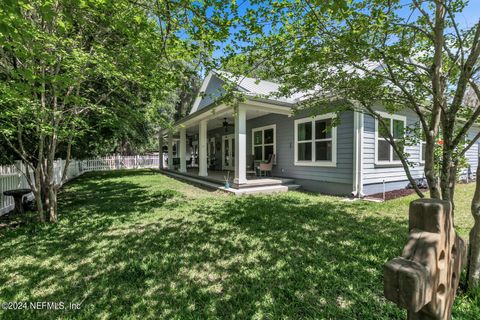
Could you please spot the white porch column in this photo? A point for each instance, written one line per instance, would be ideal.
(240, 146)
(170, 150)
(202, 149)
(183, 150)
(160, 150)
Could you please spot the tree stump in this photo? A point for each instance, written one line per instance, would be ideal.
(425, 278)
(17, 195)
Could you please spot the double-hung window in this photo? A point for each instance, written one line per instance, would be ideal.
(263, 142)
(315, 141)
(395, 125)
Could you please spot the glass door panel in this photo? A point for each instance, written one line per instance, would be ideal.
(228, 152)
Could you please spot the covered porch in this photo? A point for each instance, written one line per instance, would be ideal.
(211, 144)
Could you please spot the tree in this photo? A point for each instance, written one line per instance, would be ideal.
(348, 55)
(68, 65)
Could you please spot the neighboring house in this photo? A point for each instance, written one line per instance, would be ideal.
(351, 158)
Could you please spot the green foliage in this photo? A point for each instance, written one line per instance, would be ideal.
(100, 73)
(333, 47)
(128, 242)
(370, 55)
(95, 76)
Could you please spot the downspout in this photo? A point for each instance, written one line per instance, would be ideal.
(355, 151)
(360, 193)
(357, 155)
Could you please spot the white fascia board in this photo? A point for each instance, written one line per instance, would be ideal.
(267, 107)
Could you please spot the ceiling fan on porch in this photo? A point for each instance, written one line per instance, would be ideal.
(226, 124)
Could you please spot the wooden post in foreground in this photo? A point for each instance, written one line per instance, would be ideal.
(425, 278)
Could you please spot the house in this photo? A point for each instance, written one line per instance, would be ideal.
(350, 159)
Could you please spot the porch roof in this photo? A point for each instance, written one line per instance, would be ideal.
(256, 106)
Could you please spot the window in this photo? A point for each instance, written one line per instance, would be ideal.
(263, 142)
(395, 125)
(315, 141)
(423, 146)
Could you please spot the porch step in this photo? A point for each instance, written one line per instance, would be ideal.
(263, 186)
(267, 182)
(256, 190)
(293, 186)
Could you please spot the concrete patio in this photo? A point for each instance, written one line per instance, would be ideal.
(253, 184)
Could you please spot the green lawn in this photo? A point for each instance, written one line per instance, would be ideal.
(141, 245)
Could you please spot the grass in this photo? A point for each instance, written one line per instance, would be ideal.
(139, 245)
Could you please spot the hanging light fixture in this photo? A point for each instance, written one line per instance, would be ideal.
(226, 124)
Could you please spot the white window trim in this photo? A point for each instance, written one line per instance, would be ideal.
(421, 161)
(272, 126)
(377, 137)
(313, 163)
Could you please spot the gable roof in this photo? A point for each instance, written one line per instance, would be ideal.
(268, 91)
(260, 88)
(252, 87)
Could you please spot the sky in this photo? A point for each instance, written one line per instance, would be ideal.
(471, 13)
(467, 18)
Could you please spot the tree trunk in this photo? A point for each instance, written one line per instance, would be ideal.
(52, 210)
(448, 165)
(473, 271)
(430, 172)
(51, 192)
(39, 183)
(38, 193)
(45, 195)
(452, 184)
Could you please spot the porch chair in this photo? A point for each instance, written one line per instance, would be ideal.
(266, 166)
(251, 165)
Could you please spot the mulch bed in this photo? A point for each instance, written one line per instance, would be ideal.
(395, 194)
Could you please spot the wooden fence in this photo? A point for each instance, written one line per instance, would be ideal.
(14, 176)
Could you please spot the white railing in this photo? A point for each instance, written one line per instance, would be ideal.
(13, 176)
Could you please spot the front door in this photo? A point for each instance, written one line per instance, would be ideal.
(212, 153)
(228, 152)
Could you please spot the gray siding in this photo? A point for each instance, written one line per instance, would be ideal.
(370, 189)
(473, 153)
(213, 91)
(341, 174)
(394, 175)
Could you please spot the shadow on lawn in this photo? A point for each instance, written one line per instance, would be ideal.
(284, 256)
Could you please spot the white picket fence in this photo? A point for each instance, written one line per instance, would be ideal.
(14, 176)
